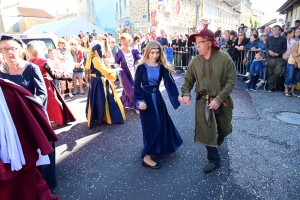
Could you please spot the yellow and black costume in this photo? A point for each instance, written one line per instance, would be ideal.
(103, 103)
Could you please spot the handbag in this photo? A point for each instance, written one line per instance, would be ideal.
(78, 69)
(295, 63)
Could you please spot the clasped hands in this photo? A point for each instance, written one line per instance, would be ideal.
(272, 53)
(187, 101)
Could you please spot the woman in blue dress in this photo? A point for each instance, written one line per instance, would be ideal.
(159, 132)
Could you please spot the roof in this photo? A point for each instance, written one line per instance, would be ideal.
(33, 12)
(288, 5)
(270, 22)
(66, 27)
(37, 20)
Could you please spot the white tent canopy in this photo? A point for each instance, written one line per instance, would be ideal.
(66, 27)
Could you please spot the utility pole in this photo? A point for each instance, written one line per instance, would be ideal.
(197, 13)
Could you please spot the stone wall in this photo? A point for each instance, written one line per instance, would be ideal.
(138, 9)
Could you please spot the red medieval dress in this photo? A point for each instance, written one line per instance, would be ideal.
(57, 109)
(34, 131)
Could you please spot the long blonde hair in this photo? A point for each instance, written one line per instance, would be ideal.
(36, 48)
(161, 59)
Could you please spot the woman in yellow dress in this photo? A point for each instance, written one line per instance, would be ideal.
(103, 103)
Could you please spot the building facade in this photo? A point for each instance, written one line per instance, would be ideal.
(257, 14)
(17, 19)
(170, 15)
(86, 9)
(221, 15)
(291, 10)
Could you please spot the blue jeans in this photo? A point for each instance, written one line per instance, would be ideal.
(248, 65)
(289, 73)
(253, 81)
(295, 77)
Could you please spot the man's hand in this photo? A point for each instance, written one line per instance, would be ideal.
(142, 105)
(213, 105)
(186, 100)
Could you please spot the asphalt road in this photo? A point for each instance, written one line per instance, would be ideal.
(260, 159)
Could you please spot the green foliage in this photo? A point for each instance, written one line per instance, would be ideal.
(253, 22)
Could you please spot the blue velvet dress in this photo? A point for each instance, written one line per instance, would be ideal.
(159, 132)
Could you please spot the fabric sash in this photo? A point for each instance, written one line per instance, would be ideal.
(151, 88)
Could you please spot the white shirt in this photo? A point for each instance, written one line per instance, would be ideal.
(130, 63)
(286, 54)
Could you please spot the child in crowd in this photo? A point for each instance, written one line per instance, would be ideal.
(110, 61)
(169, 52)
(257, 65)
(55, 67)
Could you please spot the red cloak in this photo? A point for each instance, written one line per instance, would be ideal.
(34, 132)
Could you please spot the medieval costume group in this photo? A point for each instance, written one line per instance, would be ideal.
(32, 100)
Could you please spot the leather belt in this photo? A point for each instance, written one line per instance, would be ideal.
(151, 88)
(199, 95)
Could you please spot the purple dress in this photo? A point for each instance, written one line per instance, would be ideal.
(127, 80)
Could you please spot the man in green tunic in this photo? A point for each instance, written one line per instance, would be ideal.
(214, 73)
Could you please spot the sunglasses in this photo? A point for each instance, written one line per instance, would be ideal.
(72, 44)
(61, 43)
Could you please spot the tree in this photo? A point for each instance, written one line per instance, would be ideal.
(253, 22)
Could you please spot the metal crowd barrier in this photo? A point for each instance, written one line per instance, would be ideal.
(182, 57)
(242, 66)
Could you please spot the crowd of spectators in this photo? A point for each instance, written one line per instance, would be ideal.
(242, 45)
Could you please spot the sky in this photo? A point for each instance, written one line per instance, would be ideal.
(268, 7)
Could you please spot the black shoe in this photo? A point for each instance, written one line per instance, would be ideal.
(273, 89)
(211, 167)
(266, 87)
(157, 166)
(220, 140)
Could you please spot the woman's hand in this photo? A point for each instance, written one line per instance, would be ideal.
(180, 99)
(142, 105)
(77, 65)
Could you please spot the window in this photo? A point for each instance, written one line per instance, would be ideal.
(125, 4)
(49, 42)
(117, 7)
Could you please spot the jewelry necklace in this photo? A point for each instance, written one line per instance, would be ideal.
(153, 66)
